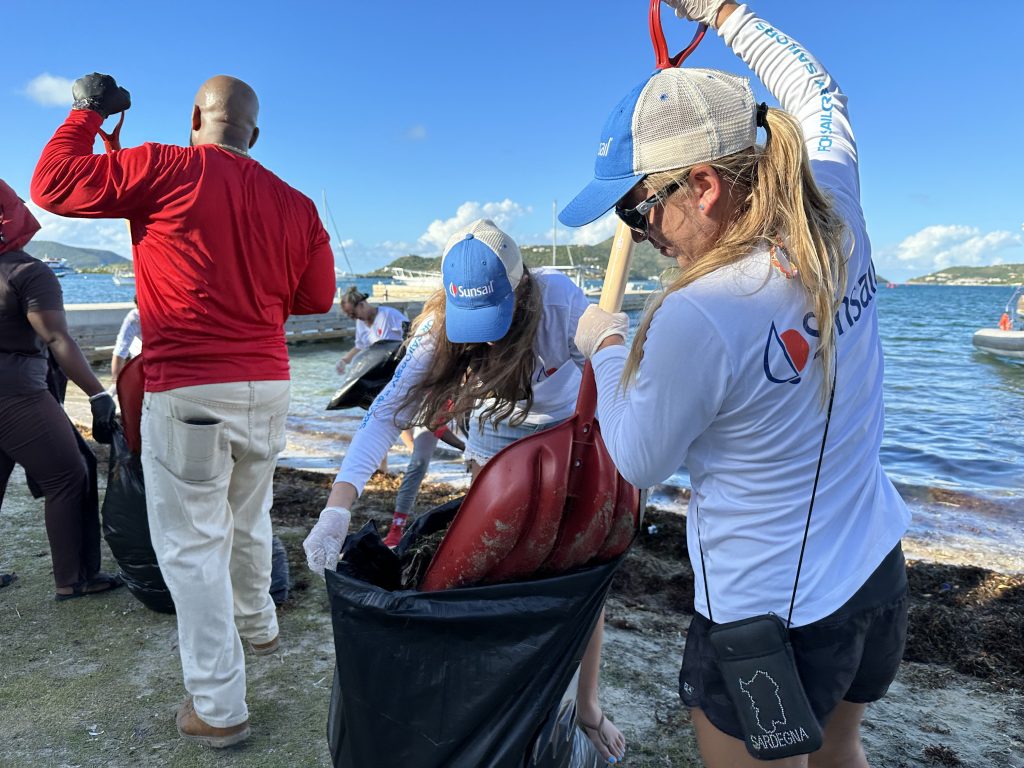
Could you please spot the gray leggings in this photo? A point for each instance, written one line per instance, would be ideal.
(423, 444)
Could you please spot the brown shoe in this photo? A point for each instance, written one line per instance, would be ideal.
(192, 728)
(265, 649)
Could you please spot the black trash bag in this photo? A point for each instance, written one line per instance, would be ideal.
(465, 678)
(371, 559)
(280, 581)
(126, 527)
(367, 374)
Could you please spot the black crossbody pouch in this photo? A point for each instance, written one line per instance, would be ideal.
(756, 662)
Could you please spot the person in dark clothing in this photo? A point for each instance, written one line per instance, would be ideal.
(34, 430)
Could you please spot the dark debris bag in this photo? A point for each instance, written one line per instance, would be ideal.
(475, 677)
(126, 527)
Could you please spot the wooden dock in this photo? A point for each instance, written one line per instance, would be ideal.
(398, 295)
(95, 326)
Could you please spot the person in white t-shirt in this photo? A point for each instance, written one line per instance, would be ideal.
(128, 343)
(496, 328)
(732, 369)
(373, 324)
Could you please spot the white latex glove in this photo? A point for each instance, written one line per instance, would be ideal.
(323, 544)
(595, 326)
(705, 11)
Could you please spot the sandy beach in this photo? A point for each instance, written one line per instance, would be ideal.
(95, 682)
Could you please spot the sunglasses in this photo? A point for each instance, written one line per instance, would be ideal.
(636, 217)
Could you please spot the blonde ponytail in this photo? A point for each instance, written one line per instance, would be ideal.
(782, 205)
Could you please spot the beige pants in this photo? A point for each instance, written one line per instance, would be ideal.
(208, 453)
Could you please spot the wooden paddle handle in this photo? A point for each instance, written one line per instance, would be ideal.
(617, 274)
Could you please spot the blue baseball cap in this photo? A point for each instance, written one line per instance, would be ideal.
(677, 118)
(481, 268)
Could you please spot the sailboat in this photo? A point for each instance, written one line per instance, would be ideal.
(340, 275)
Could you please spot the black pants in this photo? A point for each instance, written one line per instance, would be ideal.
(36, 433)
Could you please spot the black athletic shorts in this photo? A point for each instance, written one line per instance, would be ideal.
(850, 655)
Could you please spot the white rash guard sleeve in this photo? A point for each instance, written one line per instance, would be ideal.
(682, 381)
(806, 90)
(380, 427)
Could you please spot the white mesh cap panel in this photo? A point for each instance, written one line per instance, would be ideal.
(689, 116)
(504, 246)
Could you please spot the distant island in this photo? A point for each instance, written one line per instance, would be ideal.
(999, 274)
(81, 259)
(647, 262)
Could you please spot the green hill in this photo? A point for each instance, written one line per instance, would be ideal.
(646, 260)
(82, 259)
(999, 274)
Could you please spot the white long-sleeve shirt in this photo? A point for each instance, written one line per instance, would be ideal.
(556, 378)
(729, 387)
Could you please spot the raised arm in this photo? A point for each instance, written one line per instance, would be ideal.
(804, 88)
(70, 180)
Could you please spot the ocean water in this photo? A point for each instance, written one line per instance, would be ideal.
(954, 432)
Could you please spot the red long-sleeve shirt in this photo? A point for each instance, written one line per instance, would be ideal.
(224, 250)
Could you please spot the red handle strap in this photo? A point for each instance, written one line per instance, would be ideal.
(112, 140)
(662, 60)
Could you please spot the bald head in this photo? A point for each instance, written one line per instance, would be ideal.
(225, 112)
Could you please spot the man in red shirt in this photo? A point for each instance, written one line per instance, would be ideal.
(224, 251)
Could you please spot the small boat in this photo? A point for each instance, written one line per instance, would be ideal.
(1007, 340)
(415, 278)
(60, 267)
(123, 278)
(1001, 343)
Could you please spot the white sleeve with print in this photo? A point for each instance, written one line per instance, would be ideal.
(380, 427)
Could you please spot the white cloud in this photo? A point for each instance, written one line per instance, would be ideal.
(593, 233)
(366, 257)
(49, 90)
(941, 246)
(106, 234)
(503, 214)
(416, 132)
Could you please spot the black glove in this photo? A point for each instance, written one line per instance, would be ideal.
(103, 410)
(100, 93)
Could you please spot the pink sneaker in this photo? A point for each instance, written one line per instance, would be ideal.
(397, 529)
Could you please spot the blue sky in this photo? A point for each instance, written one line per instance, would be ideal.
(418, 117)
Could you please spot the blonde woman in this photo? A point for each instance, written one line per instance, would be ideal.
(493, 350)
(759, 368)
(373, 323)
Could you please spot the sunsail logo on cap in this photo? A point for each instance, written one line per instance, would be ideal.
(468, 293)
